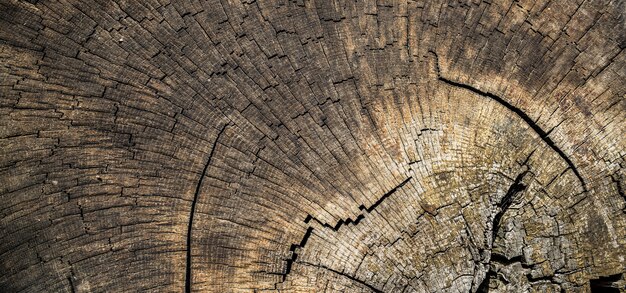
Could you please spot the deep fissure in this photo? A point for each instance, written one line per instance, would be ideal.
(506, 202)
(606, 284)
(542, 133)
(502, 207)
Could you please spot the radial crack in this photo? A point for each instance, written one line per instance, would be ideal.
(193, 209)
(503, 206)
(506, 202)
(294, 255)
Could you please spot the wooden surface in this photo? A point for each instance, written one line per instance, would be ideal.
(309, 146)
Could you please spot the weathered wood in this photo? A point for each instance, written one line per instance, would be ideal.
(305, 146)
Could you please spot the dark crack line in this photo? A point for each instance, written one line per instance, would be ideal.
(503, 206)
(374, 289)
(609, 283)
(72, 278)
(341, 222)
(549, 279)
(618, 186)
(506, 202)
(542, 134)
(72, 287)
(294, 255)
(347, 221)
(193, 210)
(501, 259)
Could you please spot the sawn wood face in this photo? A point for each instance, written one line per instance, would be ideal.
(312, 146)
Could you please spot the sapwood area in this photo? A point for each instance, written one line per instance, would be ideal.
(312, 146)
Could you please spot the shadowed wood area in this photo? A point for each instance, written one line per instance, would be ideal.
(312, 146)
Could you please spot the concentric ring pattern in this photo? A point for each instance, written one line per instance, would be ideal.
(311, 146)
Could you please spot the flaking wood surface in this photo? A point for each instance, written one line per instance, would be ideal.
(308, 146)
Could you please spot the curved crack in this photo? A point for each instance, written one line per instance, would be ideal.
(542, 133)
(193, 210)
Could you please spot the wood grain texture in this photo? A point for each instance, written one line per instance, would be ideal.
(312, 146)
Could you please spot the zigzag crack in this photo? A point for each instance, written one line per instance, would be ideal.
(361, 207)
(335, 228)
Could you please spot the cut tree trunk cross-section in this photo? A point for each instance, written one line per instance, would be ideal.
(312, 146)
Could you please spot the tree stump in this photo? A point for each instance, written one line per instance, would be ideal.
(312, 146)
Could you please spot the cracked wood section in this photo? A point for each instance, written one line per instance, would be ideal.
(312, 146)
(335, 228)
(188, 280)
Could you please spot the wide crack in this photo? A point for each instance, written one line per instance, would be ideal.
(542, 133)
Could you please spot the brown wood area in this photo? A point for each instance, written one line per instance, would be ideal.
(312, 146)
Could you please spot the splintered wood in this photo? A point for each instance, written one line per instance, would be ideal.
(312, 146)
